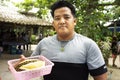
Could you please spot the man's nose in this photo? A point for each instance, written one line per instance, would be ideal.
(62, 20)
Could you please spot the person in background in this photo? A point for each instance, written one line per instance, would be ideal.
(27, 40)
(114, 50)
(13, 36)
(118, 46)
(74, 55)
(118, 50)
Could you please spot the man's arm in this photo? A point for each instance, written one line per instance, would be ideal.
(101, 77)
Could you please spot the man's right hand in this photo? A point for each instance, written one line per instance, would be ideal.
(22, 58)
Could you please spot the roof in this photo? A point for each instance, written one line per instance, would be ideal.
(112, 27)
(12, 16)
(117, 22)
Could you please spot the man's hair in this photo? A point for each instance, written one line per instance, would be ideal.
(60, 4)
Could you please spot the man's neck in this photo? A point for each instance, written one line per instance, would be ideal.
(66, 38)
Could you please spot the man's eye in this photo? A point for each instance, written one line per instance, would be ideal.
(56, 18)
(67, 17)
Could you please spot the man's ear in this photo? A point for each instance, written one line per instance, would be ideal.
(75, 21)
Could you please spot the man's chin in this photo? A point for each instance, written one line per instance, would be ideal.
(64, 34)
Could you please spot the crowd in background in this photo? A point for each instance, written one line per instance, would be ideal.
(8, 38)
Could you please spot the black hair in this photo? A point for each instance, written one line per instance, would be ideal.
(62, 3)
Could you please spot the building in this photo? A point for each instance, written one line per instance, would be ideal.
(13, 22)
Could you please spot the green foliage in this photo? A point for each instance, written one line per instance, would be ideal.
(105, 46)
(26, 5)
(33, 38)
(42, 5)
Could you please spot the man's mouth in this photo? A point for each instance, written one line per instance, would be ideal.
(62, 26)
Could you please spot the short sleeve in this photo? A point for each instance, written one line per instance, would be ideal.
(95, 60)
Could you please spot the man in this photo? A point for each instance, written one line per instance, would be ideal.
(114, 49)
(74, 55)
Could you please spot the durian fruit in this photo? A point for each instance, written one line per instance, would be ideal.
(29, 64)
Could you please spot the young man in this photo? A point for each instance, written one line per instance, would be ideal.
(74, 55)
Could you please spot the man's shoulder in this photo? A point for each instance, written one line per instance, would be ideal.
(49, 38)
(82, 37)
(85, 40)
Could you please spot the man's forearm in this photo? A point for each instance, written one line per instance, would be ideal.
(101, 77)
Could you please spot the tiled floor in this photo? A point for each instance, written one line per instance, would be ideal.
(4, 72)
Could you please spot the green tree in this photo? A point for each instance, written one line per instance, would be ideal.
(42, 5)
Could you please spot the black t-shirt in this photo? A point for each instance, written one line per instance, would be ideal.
(72, 71)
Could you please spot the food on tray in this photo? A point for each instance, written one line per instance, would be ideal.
(29, 64)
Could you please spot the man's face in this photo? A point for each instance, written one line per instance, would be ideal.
(64, 22)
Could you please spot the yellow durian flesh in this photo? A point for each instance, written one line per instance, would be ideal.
(33, 65)
(29, 64)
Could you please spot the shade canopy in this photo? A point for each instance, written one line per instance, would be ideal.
(114, 26)
(12, 16)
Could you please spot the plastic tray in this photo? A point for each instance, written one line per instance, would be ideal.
(28, 75)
